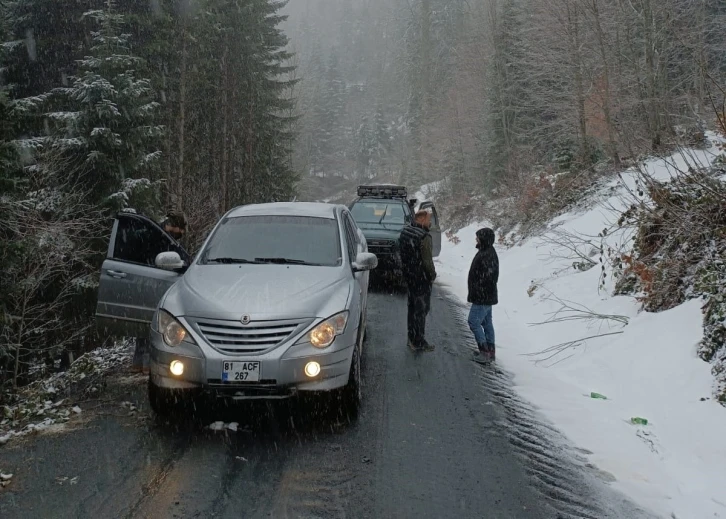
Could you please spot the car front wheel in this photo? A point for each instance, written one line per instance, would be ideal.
(160, 399)
(165, 402)
(349, 399)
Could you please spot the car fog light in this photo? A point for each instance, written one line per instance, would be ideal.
(312, 369)
(176, 367)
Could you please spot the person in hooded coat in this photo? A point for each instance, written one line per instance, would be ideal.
(416, 248)
(483, 279)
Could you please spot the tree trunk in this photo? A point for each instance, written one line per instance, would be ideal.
(224, 165)
(19, 342)
(607, 102)
(651, 72)
(425, 65)
(179, 195)
(573, 19)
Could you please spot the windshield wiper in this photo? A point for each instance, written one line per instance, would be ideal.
(384, 215)
(231, 260)
(287, 261)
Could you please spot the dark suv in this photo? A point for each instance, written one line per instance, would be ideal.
(381, 211)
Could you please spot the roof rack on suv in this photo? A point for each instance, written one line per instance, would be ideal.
(383, 191)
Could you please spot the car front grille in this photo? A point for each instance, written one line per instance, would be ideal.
(235, 337)
(381, 246)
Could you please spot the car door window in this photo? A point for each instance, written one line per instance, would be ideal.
(350, 237)
(139, 241)
(428, 206)
(434, 217)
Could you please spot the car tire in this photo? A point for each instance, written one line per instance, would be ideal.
(166, 402)
(350, 396)
(160, 400)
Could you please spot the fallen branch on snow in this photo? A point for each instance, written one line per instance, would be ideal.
(554, 351)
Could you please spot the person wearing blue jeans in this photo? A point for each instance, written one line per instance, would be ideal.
(482, 325)
(483, 279)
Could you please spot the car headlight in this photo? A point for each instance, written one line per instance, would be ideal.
(325, 333)
(171, 329)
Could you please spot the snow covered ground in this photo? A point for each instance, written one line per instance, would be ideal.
(676, 464)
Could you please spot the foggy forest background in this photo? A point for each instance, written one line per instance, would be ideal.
(202, 105)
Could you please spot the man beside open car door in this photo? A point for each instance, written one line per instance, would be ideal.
(175, 225)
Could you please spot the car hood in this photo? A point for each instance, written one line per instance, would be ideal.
(264, 292)
(375, 232)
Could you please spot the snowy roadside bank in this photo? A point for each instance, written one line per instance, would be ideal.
(646, 368)
(49, 403)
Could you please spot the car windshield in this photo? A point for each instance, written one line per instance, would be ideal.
(379, 212)
(294, 240)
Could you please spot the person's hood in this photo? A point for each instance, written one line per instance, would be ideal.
(486, 237)
(261, 291)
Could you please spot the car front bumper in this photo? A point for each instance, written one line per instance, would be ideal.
(282, 370)
(387, 260)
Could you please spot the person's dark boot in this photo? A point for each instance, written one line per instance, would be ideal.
(491, 350)
(413, 347)
(481, 356)
(428, 346)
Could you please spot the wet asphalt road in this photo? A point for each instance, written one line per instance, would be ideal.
(438, 436)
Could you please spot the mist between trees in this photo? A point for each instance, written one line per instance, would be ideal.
(491, 93)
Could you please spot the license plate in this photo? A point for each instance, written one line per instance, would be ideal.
(241, 371)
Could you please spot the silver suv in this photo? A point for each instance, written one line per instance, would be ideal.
(273, 304)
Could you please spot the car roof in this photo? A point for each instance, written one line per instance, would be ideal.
(311, 209)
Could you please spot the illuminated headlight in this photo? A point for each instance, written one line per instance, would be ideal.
(172, 330)
(325, 333)
(177, 368)
(312, 369)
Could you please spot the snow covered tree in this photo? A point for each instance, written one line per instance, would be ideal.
(106, 129)
(331, 130)
(365, 148)
(382, 133)
(506, 90)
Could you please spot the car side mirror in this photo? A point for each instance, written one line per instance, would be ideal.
(169, 261)
(365, 261)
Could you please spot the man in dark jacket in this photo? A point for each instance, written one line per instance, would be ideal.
(175, 224)
(416, 247)
(483, 278)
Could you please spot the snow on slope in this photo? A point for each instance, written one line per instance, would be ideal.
(677, 463)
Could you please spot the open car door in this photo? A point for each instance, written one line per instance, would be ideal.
(435, 230)
(131, 285)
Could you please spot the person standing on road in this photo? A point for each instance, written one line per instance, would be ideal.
(175, 225)
(416, 247)
(483, 279)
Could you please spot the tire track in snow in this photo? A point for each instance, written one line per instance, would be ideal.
(570, 485)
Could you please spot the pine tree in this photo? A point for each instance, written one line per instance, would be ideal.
(382, 133)
(333, 132)
(261, 125)
(108, 132)
(507, 92)
(365, 148)
(9, 180)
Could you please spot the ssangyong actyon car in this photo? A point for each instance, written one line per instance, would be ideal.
(273, 304)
